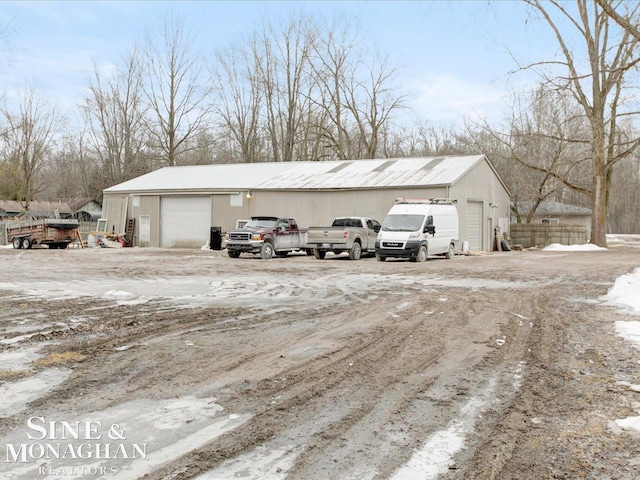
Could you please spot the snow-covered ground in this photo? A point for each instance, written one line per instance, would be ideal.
(194, 422)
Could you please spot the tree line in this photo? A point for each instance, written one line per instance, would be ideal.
(309, 89)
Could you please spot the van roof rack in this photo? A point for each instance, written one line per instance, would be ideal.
(443, 201)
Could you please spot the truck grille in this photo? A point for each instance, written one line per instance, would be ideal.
(241, 236)
(392, 244)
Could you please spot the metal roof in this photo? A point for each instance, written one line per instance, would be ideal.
(331, 175)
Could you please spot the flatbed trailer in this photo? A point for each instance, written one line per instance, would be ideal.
(54, 232)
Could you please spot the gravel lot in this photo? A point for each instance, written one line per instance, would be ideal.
(494, 366)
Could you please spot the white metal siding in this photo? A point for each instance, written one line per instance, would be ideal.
(185, 221)
(474, 225)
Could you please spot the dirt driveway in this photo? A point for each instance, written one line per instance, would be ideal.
(498, 366)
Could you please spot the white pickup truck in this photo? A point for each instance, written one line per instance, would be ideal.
(356, 235)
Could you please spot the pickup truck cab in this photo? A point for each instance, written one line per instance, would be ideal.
(267, 236)
(356, 235)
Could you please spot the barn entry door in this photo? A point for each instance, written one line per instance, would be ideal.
(474, 225)
(185, 222)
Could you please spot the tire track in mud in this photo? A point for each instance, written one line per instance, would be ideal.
(510, 421)
(374, 391)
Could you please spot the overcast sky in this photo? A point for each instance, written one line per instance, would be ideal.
(453, 57)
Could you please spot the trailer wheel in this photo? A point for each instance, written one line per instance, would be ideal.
(17, 243)
(26, 243)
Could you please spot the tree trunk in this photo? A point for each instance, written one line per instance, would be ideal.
(599, 208)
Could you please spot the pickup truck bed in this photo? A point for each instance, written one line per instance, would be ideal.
(356, 235)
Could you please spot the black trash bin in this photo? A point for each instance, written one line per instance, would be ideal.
(215, 239)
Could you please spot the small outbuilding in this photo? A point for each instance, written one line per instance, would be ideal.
(177, 206)
(83, 209)
(551, 222)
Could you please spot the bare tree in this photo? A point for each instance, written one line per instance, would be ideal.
(114, 112)
(28, 141)
(238, 100)
(357, 95)
(611, 56)
(281, 55)
(176, 90)
(372, 101)
(543, 149)
(334, 61)
(621, 19)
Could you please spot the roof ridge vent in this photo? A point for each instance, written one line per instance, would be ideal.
(342, 166)
(384, 166)
(433, 163)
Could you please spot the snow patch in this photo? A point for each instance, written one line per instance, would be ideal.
(626, 292)
(589, 247)
(168, 428)
(436, 455)
(17, 395)
(263, 463)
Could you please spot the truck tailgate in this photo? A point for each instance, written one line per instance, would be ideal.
(329, 235)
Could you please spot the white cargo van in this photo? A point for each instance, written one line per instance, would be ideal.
(417, 228)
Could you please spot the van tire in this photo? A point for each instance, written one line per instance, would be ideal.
(451, 252)
(422, 254)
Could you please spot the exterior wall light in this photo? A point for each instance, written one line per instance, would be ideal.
(248, 195)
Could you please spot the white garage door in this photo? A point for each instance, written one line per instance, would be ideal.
(474, 225)
(185, 222)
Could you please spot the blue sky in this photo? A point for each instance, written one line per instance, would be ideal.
(452, 56)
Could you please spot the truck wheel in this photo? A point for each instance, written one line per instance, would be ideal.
(233, 253)
(422, 254)
(356, 251)
(17, 243)
(451, 252)
(319, 254)
(26, 243)
(266, 252)
(380, 258)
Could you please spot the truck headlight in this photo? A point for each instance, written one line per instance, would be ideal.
(414, 235)
(256, 237)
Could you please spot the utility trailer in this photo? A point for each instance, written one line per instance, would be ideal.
(54, 232)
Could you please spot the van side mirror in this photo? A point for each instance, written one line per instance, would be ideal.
(430, 229)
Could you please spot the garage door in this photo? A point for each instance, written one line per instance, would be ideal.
(185, 222)
(474, 225)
